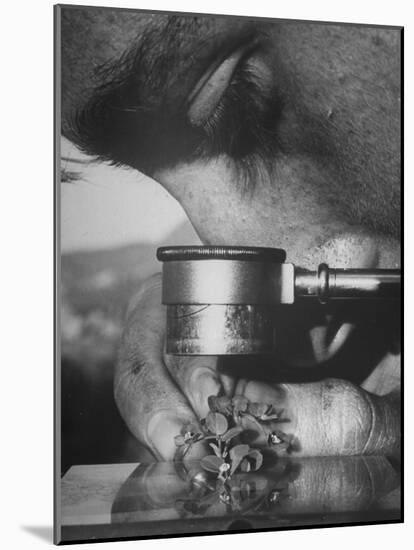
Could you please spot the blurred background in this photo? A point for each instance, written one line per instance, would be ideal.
(111, 222)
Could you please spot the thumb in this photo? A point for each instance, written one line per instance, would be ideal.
(332, 417)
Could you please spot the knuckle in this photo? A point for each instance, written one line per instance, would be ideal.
(260, 391)
(347, 411)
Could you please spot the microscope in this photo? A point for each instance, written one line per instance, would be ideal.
(222, 300)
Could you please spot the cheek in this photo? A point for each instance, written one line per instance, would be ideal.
(224, 211)
(209, 194)
(286, 212)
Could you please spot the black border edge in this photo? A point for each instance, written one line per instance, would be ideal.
(57, 531)
(206, 14)
(402, 184)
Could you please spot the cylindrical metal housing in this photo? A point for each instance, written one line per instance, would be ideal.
(218, 329)
(220, 300)
(227, 282)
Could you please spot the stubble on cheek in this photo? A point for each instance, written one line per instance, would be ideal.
(344, 86)
(286, 211)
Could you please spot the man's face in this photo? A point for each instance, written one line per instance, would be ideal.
(268, 134)
(333, 184)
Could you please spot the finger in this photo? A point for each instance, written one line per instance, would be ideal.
(152, 406)
(228, 383)
(257, 432)
(331, 417)
(197, 377)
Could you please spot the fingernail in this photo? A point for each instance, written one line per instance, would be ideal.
(161, 431)
(202, 384)
(264, 393)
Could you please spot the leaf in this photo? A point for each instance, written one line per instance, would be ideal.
(255, 459)
(258, 409)
(216, 450)
(267, 417)
(216, 423)
(237, 454)
(224, 405)
(233, 432)
(211, 463)
(245, 465)
(240, 403)
(249, 422)
(212, 403)
(239, 451)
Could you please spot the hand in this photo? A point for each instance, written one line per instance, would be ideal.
(158, 394)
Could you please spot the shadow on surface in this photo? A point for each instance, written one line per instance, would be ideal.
(43, 532)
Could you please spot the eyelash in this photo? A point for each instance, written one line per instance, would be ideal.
(245, 119)
(211, 125)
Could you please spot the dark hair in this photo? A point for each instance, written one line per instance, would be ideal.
(137, 114)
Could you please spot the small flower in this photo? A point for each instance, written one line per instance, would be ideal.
(224, 472)
(225, 467)
(274, 439)
(282, 442)
(225, 497)
(274, 497)
(188, 435)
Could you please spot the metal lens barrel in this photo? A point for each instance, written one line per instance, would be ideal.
(221, 300)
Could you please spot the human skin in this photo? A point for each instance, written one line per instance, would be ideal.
(313, 167)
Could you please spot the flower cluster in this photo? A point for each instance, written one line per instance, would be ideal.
(223, 428)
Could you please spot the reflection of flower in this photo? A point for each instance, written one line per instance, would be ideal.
(240, 494)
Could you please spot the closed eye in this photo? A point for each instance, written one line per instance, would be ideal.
(207, 93)
(233, 110)
(237, 106)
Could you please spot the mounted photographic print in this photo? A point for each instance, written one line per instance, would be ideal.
(228, 225)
